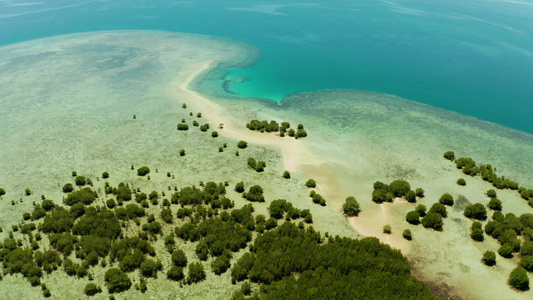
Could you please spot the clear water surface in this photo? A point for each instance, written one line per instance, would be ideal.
(473, 56)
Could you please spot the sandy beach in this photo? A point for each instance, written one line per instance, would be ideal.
(294, 154)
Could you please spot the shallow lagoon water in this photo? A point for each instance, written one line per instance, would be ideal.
(472, 57)
(68, 106)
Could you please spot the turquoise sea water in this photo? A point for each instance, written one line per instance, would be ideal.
(474, 57)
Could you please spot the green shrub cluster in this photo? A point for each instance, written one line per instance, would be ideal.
(212, 193)
(92, 289)
(117, 281)
(407, 234)
(495, 204)
(342, 267)
(282, 208)
(488, 173)
(273, 126)
(449, 155)
(506, 230)
(351, 207)
(310, 183)
(264, 125)
(119, 237)
(242, 145)
(446, 199)
(413, 217)
(85, 196)
(476, 211)
(259, 166)
(143, 171)
(433, 218)
(317, 198)
(67, 188)
(489, 258)
(398, 188)
(196, 273)
(477, 232)
(254, 194)
(518, 279)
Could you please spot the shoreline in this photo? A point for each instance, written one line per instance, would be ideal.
(291, 149)
(296, 155)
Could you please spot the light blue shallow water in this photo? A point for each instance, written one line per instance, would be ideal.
(474, 56)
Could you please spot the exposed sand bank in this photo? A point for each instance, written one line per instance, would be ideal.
(297, 155)
(294, 153)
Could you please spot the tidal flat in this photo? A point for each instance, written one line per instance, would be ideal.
(68, 104)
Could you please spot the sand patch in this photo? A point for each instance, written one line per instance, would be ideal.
(293, 152)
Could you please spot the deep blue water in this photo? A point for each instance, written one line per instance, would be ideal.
(472, 56)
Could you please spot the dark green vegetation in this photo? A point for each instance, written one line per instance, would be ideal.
(432, 220)
(204, 127)
(338, 267)
(495, 204)
(255, 194)
(477, 232)
(449, 155)
(407, 234)
(413, 217)
(273, 126)
(507, 229)
(2, 192)
(242, 144)
(351, 207)
(92, 289)
(446, 199)
(396, 189)
(488, 173)
(311, 183)
(317, 198)
(489, 258)
(182, 126)
(476, 211)
(282, 208)
(67, 188)
(258, 166)
(518, 279)
(143, 171)
(112, 231)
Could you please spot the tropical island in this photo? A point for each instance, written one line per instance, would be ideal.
(184, 199)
